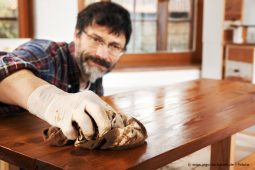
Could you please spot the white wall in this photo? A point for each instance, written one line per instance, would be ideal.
(116, 82)
(249, 19)
(55, 19)
(9, 44)
(249, 12)
(212, 39)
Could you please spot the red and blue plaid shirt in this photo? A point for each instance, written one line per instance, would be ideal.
(51, 61)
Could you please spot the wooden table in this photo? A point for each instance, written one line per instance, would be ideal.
(180, 119)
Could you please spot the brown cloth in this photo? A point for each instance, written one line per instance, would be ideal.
(132, 134)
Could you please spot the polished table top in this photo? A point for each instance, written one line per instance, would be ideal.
(180, 119)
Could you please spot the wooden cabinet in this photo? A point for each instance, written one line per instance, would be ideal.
(233, 12)
(239, 58)
(233, 9)
(239, 62)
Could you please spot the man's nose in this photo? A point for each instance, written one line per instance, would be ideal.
(103, 52)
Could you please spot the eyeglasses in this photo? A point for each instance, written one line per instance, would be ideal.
(114, 49)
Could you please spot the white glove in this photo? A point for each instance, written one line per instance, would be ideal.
(60, 109)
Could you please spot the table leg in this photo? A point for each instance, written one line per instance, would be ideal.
(222, 154)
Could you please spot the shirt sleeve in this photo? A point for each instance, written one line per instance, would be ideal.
(31, 56)
(10, 63)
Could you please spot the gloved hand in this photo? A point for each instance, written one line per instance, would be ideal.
(61, 109)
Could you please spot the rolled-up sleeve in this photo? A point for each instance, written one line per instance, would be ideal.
(10, 63)
(31, 56)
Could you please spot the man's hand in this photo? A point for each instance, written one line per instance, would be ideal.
(61, 109)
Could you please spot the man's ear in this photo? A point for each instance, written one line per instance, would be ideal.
(77, 34)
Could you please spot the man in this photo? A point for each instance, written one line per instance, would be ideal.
(44, 77)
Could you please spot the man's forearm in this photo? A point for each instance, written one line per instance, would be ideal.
(16, 88)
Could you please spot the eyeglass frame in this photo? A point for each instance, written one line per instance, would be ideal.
(100, 42)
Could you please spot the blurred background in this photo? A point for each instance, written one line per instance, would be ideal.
(172, 41)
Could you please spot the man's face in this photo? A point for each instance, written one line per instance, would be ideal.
(97, 51)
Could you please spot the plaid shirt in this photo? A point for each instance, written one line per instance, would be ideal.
(51, 61)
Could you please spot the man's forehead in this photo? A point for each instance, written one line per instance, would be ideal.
(105, 32)
(95, 28)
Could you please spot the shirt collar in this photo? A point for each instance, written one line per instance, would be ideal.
(71, 48)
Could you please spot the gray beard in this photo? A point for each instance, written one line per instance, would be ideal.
(92, 72)
(88, 72)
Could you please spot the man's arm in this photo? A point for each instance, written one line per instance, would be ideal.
(16, 88)
(55, 106)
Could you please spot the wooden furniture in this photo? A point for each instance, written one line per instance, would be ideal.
(180, 119)
(233, 12)
(238, 43)
(239, 63)
(233, 9)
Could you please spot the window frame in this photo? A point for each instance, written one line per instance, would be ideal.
(166, 58)
(24, 19)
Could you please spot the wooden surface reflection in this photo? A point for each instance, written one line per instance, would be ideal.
(180, 119)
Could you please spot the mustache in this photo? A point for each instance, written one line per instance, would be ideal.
(98, 60)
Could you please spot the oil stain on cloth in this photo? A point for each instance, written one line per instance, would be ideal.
(126, 132)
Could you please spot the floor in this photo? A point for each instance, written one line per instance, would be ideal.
(245, 145)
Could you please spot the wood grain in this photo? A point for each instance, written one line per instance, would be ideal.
(155, 60)
(240, 53)
(222, 154)
(26, 17)
(180, 119)
(162, 25)
(233, 9)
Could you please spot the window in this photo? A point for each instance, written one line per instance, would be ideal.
(144, 20)
(180, 25)
(8, 19)
(145, 15)
(16, 19)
